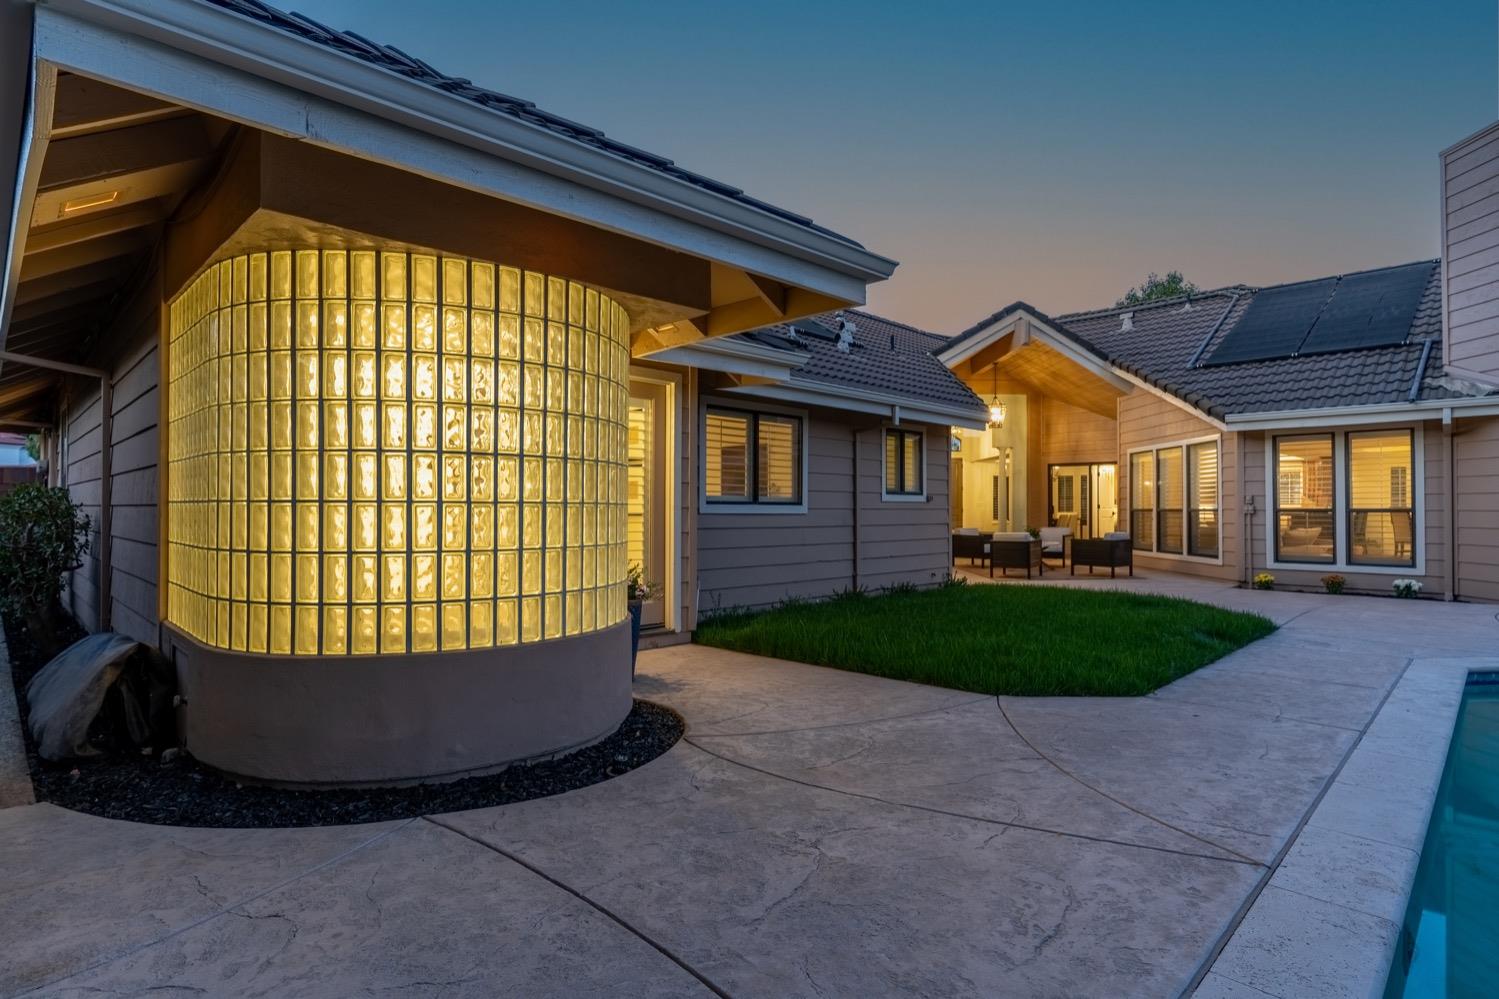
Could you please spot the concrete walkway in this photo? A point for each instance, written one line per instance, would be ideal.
(818, 833)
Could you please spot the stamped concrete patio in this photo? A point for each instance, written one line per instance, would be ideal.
(818, 833)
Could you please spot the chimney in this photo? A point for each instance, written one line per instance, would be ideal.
(1470, 257)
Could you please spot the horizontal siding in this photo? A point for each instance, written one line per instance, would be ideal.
(755, 560)
(134, 455)
(1147, 420)
(1470, 248)
(1476, 502)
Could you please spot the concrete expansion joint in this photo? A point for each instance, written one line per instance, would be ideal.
(1238, 857)
(592, 903)
(985, 820)
(1238, 917)
(847, 724)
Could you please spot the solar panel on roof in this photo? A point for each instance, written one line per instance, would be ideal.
(1275, 323)
(1374, 309)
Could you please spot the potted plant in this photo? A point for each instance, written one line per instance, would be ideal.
(1333, 583)
(638, 590)
(43, 536)
(1408, 589)
(1264, 581)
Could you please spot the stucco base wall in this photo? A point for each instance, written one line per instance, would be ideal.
(387, 719)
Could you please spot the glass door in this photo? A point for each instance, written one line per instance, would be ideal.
(1084, 498)
(647, 493)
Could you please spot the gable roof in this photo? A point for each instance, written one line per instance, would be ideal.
(1167, 342)
(886, 357)
(391, 58)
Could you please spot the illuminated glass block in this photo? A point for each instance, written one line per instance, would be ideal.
(424, 577)
(393, 629)
(423, 628)
(366, 630)
(273, 426)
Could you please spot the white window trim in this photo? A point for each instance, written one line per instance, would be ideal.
(1340, 563)
(742, 405)
(888, 497)
(1129, 507)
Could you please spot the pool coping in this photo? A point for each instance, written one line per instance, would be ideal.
(1328, 919)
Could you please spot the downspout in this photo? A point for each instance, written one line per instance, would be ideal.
(1248, 543)
(106, 473)
(854, 489)
(1449, 455)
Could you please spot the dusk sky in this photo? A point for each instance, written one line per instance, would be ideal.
(1049, 152)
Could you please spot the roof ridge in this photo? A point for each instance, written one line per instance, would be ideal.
(1159, 303)
(893, 322)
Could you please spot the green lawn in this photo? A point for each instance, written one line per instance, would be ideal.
(1026, 640)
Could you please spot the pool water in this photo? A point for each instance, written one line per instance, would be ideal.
(1449, 945)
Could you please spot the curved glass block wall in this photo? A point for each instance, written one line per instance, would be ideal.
(393, 453)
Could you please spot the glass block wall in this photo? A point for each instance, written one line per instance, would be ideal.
(392, 452)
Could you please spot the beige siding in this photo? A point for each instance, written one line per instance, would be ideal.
(1470, 251)
(1147, 420)
(756, 559)
(1476, 500)
(1433, 529)
(134, 456)
(1072, 435)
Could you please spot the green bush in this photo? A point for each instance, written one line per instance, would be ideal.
(42, 536)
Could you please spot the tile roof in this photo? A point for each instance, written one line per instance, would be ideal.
(1166, 344)
(886, 357)
(391, 58)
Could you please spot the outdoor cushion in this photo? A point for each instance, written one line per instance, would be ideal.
(1298, 536)
(1013, 536)
(1116, 536)
(969, 532)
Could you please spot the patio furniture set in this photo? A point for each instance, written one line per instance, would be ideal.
(1008, 550)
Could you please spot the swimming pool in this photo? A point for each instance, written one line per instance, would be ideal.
(1449, 943)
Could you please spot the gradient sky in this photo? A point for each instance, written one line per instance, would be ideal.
(1052, 152)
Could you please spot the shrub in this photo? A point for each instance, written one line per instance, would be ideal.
(1333, 583)
(1407, 588)
(42, 536)
(1264, 581)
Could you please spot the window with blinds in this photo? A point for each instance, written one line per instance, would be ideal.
(1175, 501)
(903, 466)
(751, 457)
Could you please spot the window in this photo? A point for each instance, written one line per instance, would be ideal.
(1175, 503)
(752, 458)
(1304, 499)
(1170, 493)
(1142, 500)
(1202, 499)
(903, 464)
(1381, 516)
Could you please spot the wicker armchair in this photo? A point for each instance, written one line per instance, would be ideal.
(1015, 550)
(970, 543)
(1113, 551)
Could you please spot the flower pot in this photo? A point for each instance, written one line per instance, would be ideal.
(634, 632)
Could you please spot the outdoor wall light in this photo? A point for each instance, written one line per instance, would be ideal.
(393, 452)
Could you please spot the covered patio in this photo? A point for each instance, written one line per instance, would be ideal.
(1049, 457)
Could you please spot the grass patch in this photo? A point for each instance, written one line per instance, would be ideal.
(1020, 640)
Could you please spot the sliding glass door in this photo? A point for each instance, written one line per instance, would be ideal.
(1084, 498)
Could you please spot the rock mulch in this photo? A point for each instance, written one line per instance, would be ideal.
(183, 792)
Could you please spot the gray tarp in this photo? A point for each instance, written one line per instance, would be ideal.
(67, 695)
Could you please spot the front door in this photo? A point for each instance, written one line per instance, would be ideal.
(650, 427)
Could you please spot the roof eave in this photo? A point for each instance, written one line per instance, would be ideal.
(232, 42)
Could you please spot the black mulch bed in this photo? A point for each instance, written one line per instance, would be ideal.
(184, 792)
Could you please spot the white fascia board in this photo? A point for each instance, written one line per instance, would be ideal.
(1042, 331)
(1401, 412)
(732, 357)
(219, 62)
(1175, 400)
(857, 401)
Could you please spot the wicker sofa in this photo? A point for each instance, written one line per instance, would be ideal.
(1113, 551)
(970, 543)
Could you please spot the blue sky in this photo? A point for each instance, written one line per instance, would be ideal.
(1050, 152)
